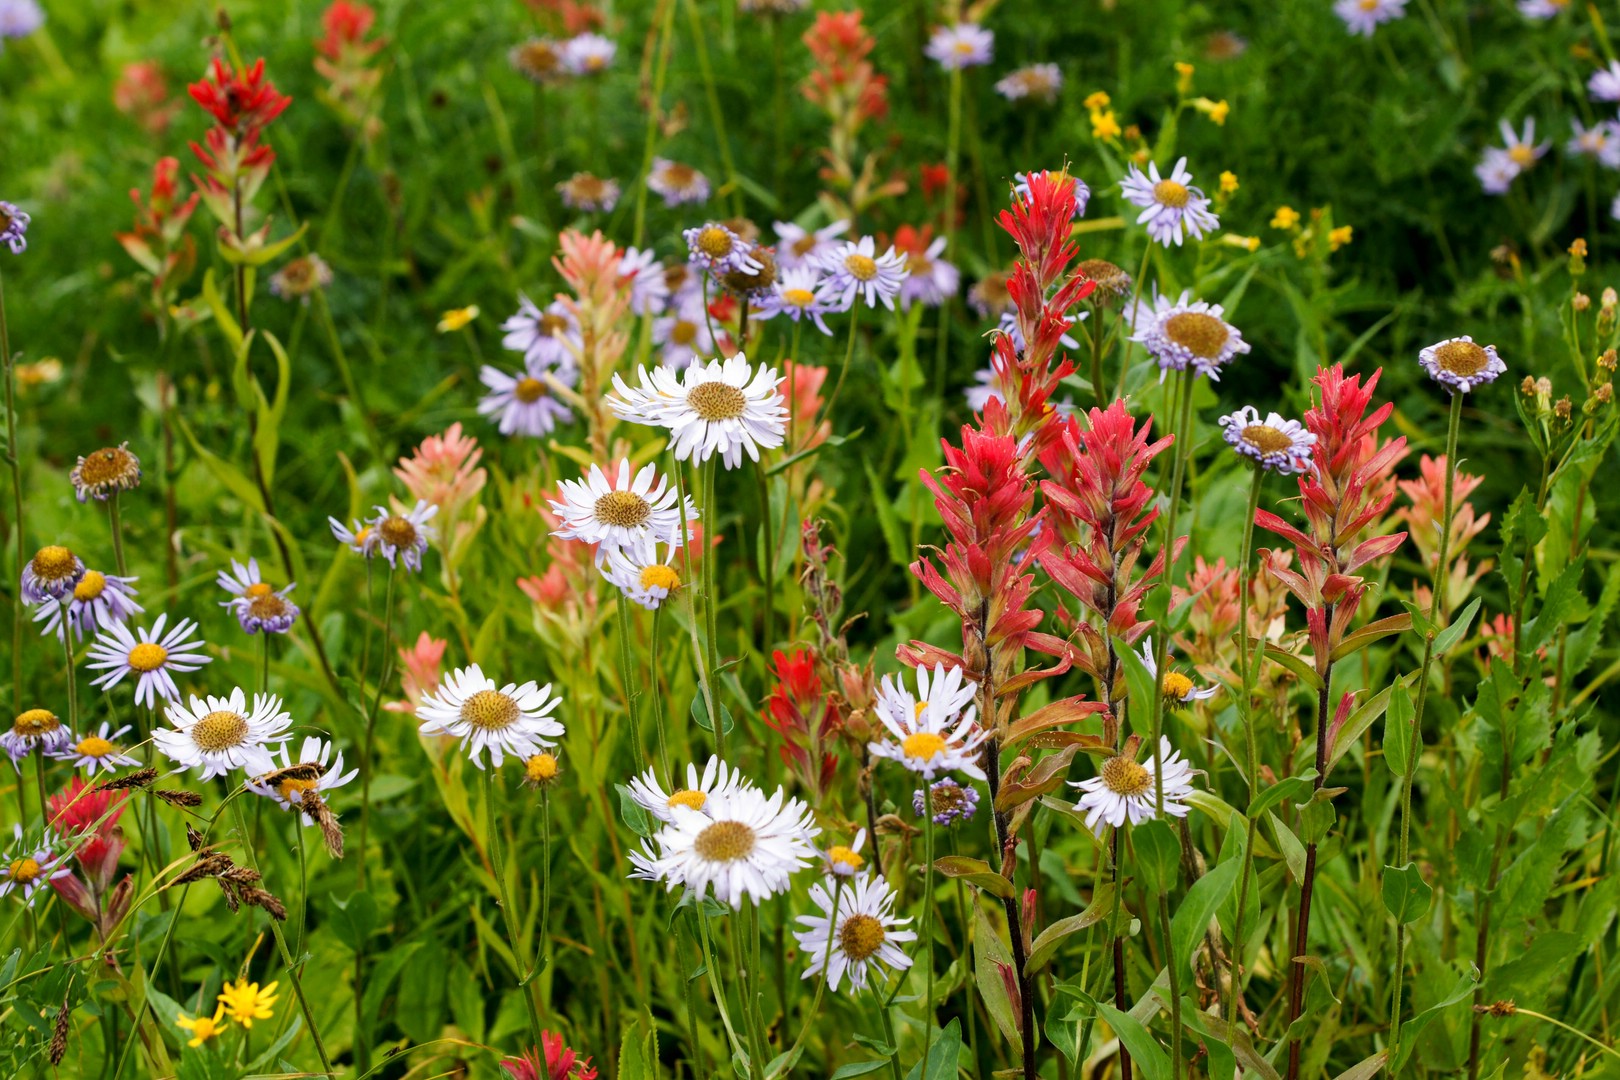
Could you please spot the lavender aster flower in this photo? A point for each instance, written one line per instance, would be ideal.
(1187, 333)
(51, 574)
(589, 193)
(588, 54)
(20, 18)
(550, 338)
(649, 289)
(950, 802)
(1601, 142)
(798, 246)
(802, 293)
(856, 270)
(930, 280)
(1364, 16)
(1171, 205)
(964, 45)
(13, 227)
(98, 600)
(1282, 446)
(255, 604)
(1460, 365)
(524, 402)
(677, 183)
(720, 250)
(1604, 85)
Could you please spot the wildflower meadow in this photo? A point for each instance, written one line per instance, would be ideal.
(635, 539)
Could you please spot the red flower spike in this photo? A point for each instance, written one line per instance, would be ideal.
(801, 711)
(240, 102)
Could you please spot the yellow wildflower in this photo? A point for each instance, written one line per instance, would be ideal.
(246, 1002)
(458, 319)
(1286, 217)
(1104, 125)
(1184, 74)
(204, 1028)
(1097, 101)
(1229, 182)
(1339, 237)
(1247, 243)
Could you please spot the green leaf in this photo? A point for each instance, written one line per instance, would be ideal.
(975, 872)
(634, 815)
(1528, 880)
(988, 951)
(1447, 639)
(942, 1055)
(1140, 686)
(1297, 664)
(700, 715)
(1414, 1027)
(1398, 730)
(1406, 895)
(1293, 788)
(1563, 595)
(1145, 1050)
(1197, 908)
(1367, 1068)
(1373, 631)
(858, 1068)
(1157, 854)
(1293, 851)
(1046, 943)
(894, 536)
(355, 918)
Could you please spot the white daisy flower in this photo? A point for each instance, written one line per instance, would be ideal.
(683, 334)
(1543, 9)
(219, 734)
(1604, 85)
(676, 183)
(1185, 333)
(512, 720)
(549, 338)
(34, 729)
(1171, 206)
(256, 605)
(1124, 789)
(718, 781)
(797, 246)
(1364, 16)
(1496, 171)
(866, 933)
(935, 730)
(150, 655)
(846, 860)
(26, 867)
(1522, 147)
(803, 292)
(1175, 686)
(1282, 446)
(288, 792)
(930, 280)
(649, 290)
(1601, 142)
(1037, 82)
(1459, 364)
(719, 250)
(724, 407)
(98, 600)
(51, 574)
(588, 54)
(964, 45)
(523, 404)
(358, 537)
(642, 574)
(403, 536)
(621, 512)
(856, 271)
(98, 751)
(1082, 193)
(743, 845)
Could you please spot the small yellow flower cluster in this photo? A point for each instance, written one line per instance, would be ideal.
(458, 319)
(1104, 124)
(241, 1001)
(1321, 237)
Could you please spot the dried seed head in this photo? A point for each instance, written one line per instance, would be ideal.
(59, 1034)
(140, 778)
(178, 798)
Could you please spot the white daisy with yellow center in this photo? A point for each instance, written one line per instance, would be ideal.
(855, 271)
(151, 655)
(717, 781)
(98, 600)
(98, 751)
(846, 860)
(935, 731)
(1172, 208)
(505, 720)
(1277, 444)
(853, 930)
(1175, 686)
(724, 408)
(288, 793)
(217, 735)
(1124, 790)
(1461, 365)
(27, 867)
(625, 511)
(741, 844)
(648, 573)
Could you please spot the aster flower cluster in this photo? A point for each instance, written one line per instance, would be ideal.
(525, 403)
(635, 522)
(547, 61)
(401, 536)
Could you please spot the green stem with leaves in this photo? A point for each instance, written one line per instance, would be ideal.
(508, 914)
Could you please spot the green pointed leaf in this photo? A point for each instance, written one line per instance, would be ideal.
(1398, 730)
(1158, 853)
(1146, 1053)
(1192, 918)
(1406, 895)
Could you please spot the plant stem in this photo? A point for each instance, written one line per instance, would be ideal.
(767, 565)
(367, 747)
(700, 44)
(710, 606)
(849, 352)
(928, 926)
(666, 27)
(627, 676)
(1302, 924)
(116, 526)
(657, 694)
(1246, 715)
(509, 915)
(14, 464)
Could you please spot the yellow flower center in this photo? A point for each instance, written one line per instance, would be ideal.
(35, 722)
(1199, 333)
(94, 746)
(24, 871)
(360, 537)
(801, 298)
(397, 532)
(551, 324)
(53, 563)
(625, 509)
(1266, 439)
(292, 789)
(220, 730)
(714, 241)
(1124, 776)
(683, 332)
(716, 400)
(490, 710)
(268, 606)
(1462, 358)
(92, 585)
(1176, 685)
(1368, 5)
(1523, 156)
(257, 589)
(692, 800)
(1169, 193)
(860, 936)
(538, 57)
(659, 576)
(963, 48)
(805, 244)
(679, 176)
(923, 745)
(585, 188)
(147, 656)
(846, 856)
(109, 466)
(861, 267)
(725, 841)
(540, 769)
(529, 390)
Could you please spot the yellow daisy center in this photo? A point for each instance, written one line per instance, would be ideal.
(1169, 193)
(861, 267)
(716, 400)
(659, 576)
(846, 856)
(147, 656)
(679, 176)
(551, 324)
(35, 722)
(1266, 439)
(220, 730)
(1368, 5)
(1198, 332)
(1176, 685)
(861, 936)
(1125, 776)
(963, 48)
(1523, 156)
(292, 789)
(360, 537)
(53, 563)
(540, 769)
(397, 532)
(625, 509)
(714, 241)
(92, 585)
(1462, 358)
(257, 589)
(805, 244)
(683, 332)
(110, 466)
(585, 188)
(24, 871)
(689, 798)
(801, 298)
(490, 710)
(529, 390)
(725, 841)
(268, 606)
(923, 745)
(94, 746)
